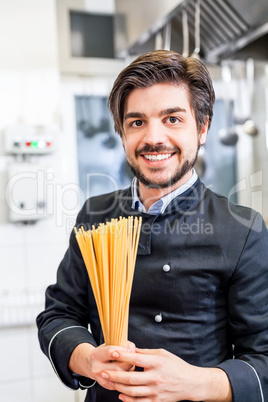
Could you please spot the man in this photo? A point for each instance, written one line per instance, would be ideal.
(198, 310)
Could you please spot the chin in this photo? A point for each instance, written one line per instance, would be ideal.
(162, 181)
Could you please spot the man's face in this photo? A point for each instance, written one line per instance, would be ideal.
(160, 135)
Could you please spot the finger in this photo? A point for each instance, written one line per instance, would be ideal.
(134, 392)
(120, 366)
(126, 398)
(131, 346)
(106, 383)
(117, 365)
(135, 359)
(132, 378)
(152, 351)
(105, 353)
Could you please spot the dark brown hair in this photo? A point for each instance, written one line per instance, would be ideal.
(163, 66)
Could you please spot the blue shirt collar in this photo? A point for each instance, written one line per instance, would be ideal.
(160, 205)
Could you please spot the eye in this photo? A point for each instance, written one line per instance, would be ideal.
(172, 120)
(137, 123)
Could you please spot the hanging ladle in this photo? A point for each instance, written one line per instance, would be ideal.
(228, 135)
(249, 126)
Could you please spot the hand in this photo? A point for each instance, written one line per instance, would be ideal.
(88, 361)
(167, 378)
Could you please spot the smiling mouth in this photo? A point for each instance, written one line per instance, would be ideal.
(158, 157)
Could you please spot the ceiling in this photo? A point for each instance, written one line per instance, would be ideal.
(212, 29)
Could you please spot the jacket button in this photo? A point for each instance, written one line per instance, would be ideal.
(158, 318)
(166, 268)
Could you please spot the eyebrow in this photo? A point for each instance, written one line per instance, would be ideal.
(131, 115)
(172, 110)
(139, 115)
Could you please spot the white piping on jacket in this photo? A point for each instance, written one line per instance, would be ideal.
(50, 358)
(90, 386)
(262, 398)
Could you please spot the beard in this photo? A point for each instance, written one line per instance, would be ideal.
(180, 172)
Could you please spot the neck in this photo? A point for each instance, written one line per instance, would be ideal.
(148, 196)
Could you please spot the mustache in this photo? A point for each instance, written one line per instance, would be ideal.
(157, 149)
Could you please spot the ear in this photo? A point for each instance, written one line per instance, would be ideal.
(122, 140)
(203, 133)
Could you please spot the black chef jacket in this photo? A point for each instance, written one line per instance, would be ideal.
(211, 296)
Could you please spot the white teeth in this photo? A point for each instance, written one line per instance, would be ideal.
(158, 157)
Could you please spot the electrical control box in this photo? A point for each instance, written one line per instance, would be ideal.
(26, 192)
(32, 148)
(30, 140)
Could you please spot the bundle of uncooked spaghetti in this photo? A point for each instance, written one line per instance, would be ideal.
(109, 252)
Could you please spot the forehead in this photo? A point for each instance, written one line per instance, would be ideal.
(158, 97)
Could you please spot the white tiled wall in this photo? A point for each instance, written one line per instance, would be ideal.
(29, 257)
(26, 374)
(29, 254)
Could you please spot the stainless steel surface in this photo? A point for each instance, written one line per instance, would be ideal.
(228, 29)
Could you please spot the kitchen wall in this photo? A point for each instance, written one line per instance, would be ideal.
(30, 90)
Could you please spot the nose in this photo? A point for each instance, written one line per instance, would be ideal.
(154, 133)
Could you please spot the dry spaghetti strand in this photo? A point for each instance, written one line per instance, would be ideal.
(109, 253)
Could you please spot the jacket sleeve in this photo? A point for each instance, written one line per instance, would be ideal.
(64, 323)
(248, 312)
